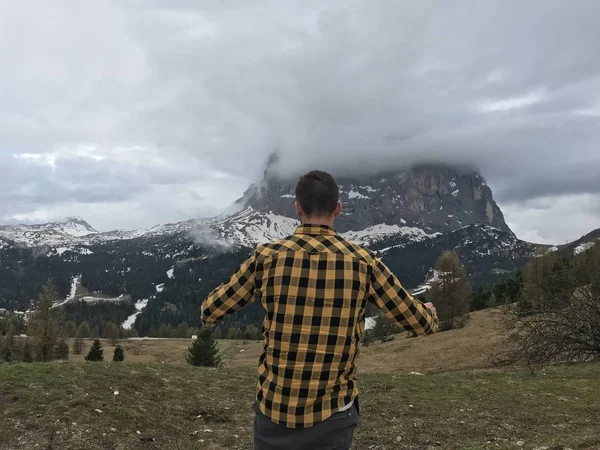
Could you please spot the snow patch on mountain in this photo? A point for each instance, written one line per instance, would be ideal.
(139, 307)
(381, 231)
(72, 292)
(583, 247)
(368, 189)
(94, 299)
(428, 284)
(250, 227)
(356, 194)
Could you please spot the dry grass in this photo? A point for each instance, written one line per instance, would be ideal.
(470, 347)
(171, 351)
(466, 348)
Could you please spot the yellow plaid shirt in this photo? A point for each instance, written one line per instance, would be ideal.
(314, 287)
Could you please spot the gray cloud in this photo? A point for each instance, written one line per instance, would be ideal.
(195, 96)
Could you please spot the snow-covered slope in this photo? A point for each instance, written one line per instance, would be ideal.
(245, 228)
(581, 248)
(377, 233)
(428, 284)
(52, 233)
(139, 307)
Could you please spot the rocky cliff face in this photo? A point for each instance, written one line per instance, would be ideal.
(436, 198)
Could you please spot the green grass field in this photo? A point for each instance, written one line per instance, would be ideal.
(171, 406)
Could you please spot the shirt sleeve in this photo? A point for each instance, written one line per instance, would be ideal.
(232, 295)
(389, 296)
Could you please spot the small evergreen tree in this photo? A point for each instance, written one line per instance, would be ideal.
(218, 334)
(119, 354)
(96, 353)
(61, 351)
(204, 350)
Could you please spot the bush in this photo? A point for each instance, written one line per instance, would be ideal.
(204, 350)
(96, 353)
(557, 320)
(119, 354)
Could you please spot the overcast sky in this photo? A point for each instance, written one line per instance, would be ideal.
(134, 113)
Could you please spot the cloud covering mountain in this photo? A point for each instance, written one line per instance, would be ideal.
(148, 112)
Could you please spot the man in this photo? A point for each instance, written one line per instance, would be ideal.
(314, 287)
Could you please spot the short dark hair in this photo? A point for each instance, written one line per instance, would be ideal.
(318, 193)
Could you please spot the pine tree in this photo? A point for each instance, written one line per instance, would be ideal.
(204, 350)
(61, 351)
(480, 299)
(119, 354)
(78, 346)
(96, 353)
(450, 293)
(45, 323)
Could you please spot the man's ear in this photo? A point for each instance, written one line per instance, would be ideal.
(299, 211)
(338, 209)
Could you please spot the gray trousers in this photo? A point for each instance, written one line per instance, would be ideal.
(334, 433)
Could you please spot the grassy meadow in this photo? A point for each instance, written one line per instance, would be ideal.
(154, 400)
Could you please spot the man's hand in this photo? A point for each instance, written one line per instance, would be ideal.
(431, 308)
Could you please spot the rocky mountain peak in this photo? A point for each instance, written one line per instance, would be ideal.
(434, 197)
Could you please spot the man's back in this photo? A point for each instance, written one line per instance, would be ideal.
(314, 287)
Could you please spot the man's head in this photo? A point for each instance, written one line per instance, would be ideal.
(317, 198)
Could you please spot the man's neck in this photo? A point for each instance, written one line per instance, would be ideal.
(319, 222)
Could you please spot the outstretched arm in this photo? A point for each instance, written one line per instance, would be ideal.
(230, 296)
(389, 296)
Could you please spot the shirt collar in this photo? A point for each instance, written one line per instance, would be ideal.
(315, 230)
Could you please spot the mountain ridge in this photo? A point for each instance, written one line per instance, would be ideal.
(436, 198)
(403, 217)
